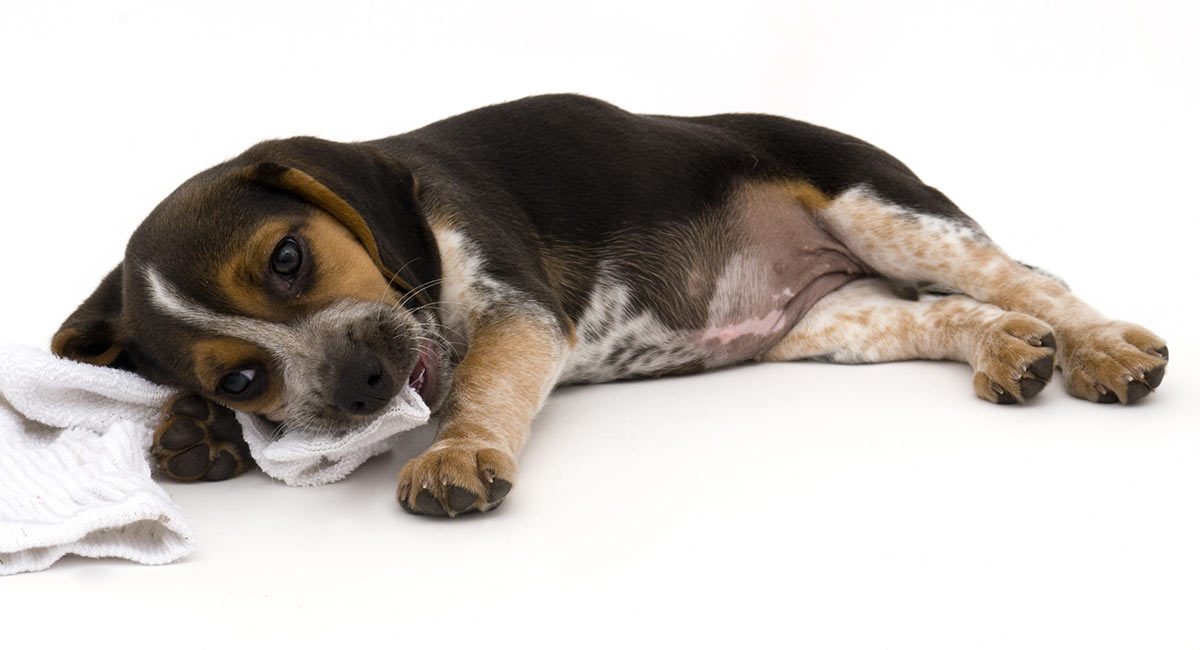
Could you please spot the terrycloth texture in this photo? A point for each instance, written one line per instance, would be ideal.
(74, 475)
(74, 470)
(316, 460)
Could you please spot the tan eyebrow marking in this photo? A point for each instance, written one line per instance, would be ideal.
(343, 269)
(240, 276)
(336, 208)
(213, 358)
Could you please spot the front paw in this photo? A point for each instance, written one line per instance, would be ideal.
(199, 440)
(1113, 362)
(455, 477)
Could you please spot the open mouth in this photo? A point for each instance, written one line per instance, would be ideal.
(423, 378)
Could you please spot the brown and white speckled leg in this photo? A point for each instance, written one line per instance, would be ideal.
(508, 371)
(1103, 360)
(865, 322)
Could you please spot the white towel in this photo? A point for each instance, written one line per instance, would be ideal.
(75, 475)
(315, 460)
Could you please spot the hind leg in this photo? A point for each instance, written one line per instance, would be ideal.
(1103, 360)
(864, 322)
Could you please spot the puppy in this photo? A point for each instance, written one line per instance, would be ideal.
(489, 257)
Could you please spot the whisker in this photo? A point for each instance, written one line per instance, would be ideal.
(412, 292)
(394, 276)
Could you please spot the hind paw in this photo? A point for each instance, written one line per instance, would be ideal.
(1015, 359)
(1113, 362)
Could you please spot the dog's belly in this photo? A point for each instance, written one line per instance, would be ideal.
(782, 262)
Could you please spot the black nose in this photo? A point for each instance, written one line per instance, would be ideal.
(363, 385)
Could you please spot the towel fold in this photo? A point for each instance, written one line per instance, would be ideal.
(74, 472)
(303, 460)
(75, 475)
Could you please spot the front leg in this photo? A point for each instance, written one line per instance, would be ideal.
(199, 440)
(511, 364)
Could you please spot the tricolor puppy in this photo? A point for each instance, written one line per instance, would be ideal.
(489, 257)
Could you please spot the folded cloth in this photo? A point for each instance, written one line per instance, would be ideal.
(74, 472)
(75, 475)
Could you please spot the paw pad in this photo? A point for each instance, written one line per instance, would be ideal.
(199, 440)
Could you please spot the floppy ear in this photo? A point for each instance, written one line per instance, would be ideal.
(373, 196)
(90, 334)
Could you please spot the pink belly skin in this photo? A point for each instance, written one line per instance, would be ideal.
(766, 326)
(754, 275)
(787, 262)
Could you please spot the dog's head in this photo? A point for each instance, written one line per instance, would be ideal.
(294, 281)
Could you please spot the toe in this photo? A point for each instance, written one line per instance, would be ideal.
(498, 489)
(1135, 391)
(407, 508)
(225, 466)
(1043, 368)
(181, 434)
(189, 464)
(428, 504)
(1154, 376)
(191, 405)
(226, 427)
(1047, 341)
(460, 499)
(1031, 387)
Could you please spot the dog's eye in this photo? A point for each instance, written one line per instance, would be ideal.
(286, 259)
(236, 383)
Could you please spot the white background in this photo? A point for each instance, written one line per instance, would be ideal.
(800, 505)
